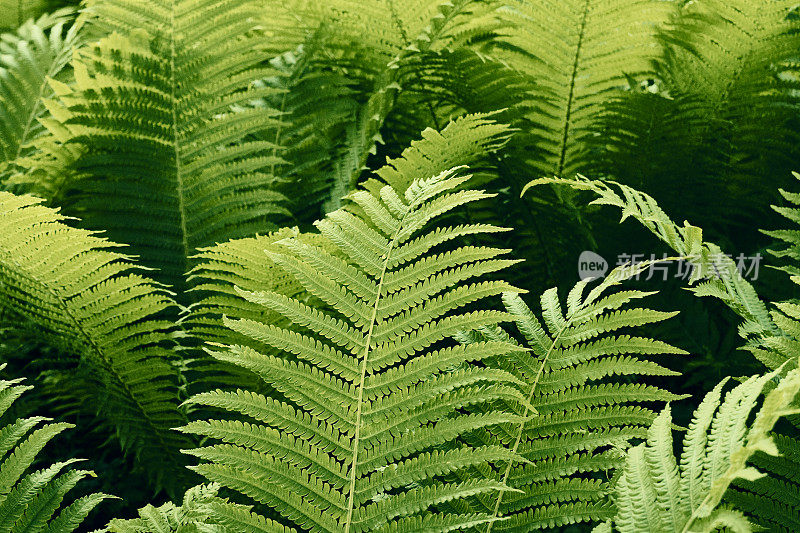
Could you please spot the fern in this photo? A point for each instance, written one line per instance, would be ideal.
(149, 126)
(771, 500)
(716, 113)
(581, 419)
(318, 109)
(368, 388)
(15, 12)
(578, 52)
(714, 274)
(380, 49)
(655, 495)
(463, 141)
(201, 510)
(38, 51)
(32, 501)
(87, 300)
(771, 333)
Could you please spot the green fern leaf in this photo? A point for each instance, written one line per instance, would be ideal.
(38, 51)
(655, 495)
(581, 417)
(168, 99)
(714, 114)
(30, 501)
(86, 299)
(201, 510)
(579, 53)
(713, 274)
(368, 386)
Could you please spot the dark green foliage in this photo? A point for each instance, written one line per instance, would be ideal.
(268, 240)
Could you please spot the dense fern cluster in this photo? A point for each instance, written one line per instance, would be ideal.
(273, 264)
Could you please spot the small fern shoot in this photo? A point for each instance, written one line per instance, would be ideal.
(372, 394)
(655, 494)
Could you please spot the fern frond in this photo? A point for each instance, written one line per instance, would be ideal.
(718, 116)
(16, 12)
(713, 274)
(318, 108)
(157, 126)
(369, 388)
(86, 299)
(38, 51)
(581, 417)
(379, 49)
(201, 510)
(31, 501)
(463, 141)
(579, 52)
(656, 495)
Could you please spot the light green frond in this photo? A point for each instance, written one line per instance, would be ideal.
(38, 51)
(461, 142)
(371, 386)
(201, 511)
(159, 133)
(654, 496)
(575, 412)
(88, 300)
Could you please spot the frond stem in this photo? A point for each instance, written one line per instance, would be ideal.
(373, 320)
(521, 430)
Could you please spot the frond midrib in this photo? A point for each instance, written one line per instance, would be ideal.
(571, 93)
(523, 421)
(360, 398)
(176, 141)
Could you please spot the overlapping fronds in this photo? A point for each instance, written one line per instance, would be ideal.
(372, 393)
(37, 51)
(578, 52)
(771, 332)
(86, 299)
(655, 494)
(379, 49)
(771, 501)
(584, 410)
(718, 110)
(386, 30)
(31, 501)
(713, 272)
(240, 264)
(157, 127)
(318, 109)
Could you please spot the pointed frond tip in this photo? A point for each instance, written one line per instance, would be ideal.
(372, 386)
